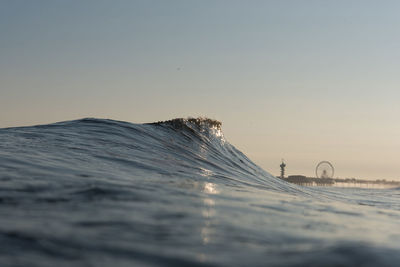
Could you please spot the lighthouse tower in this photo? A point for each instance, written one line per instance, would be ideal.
(283, 165)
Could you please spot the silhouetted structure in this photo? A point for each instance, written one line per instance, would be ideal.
(324, 170)
(283, 165)
(297, 179)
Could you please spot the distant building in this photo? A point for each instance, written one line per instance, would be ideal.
(297, 179)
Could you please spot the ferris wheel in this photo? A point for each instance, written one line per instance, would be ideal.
(324, 169)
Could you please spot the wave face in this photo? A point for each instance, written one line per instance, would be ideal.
(96, 192)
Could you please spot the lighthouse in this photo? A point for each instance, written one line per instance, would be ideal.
(283, 165)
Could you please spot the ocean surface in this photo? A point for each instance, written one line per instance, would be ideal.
(97, 192)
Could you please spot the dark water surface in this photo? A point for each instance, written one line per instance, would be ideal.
(98, 192)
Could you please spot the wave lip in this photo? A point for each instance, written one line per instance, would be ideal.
(199, 122)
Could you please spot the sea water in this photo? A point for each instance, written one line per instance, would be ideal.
(96, 192)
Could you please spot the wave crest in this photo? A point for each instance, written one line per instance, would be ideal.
(200, 122)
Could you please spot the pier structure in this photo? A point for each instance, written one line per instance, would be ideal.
(324, 177)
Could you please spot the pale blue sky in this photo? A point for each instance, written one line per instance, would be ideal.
(300, 80)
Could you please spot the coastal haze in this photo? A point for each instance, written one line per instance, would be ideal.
(301, 80)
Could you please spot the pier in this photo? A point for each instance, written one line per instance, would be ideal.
(339, 182)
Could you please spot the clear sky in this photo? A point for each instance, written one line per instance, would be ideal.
(300, 80)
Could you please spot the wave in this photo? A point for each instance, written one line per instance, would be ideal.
(186, 148)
